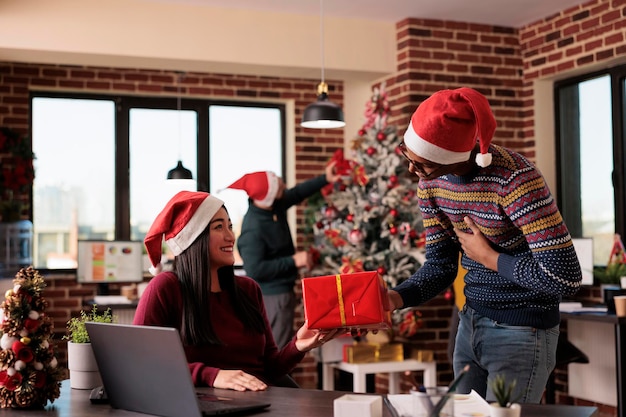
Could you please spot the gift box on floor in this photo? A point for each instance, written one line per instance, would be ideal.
(357, 300)
(390, 352)
(423, 355)
(361, 352)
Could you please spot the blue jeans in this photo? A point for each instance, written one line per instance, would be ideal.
(520, 353)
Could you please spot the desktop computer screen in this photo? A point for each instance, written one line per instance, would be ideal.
(103, 261)
(584, 251)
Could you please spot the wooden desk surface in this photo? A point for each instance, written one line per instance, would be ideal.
(286, 402)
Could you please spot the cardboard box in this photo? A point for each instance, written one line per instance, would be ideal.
(351, 405)
(357, 300)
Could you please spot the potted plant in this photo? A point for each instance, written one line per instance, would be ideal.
(609, 278)
(505, 405)
(84, 373)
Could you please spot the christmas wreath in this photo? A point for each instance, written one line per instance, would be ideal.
(16, 173)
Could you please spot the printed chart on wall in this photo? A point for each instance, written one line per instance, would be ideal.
(109, 261)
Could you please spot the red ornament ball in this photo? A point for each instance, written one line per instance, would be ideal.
(355, 236)
(350, 217)
(393, 230)
(381, 136)
(330, 212)
(361, 132)
(371, 151)
(393, 179)
(381, 270)
(393, 213)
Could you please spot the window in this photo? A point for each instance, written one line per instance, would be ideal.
(590, 146)
(101, 163)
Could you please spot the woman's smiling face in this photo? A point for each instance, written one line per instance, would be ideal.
(221, 240)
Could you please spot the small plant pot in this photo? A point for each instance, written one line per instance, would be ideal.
(81, 362)
(514, 410)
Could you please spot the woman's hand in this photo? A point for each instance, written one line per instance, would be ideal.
(476, 246)
(307, 339)
(238, 381)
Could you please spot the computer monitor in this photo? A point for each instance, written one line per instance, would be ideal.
(104, 261)
(584, 251)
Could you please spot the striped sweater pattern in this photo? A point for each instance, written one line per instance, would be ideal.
(512, 206)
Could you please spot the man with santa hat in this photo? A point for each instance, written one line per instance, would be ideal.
(492, 206)
(266, 246)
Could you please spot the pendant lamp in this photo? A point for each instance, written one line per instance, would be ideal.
(179, 172)
(323, 114)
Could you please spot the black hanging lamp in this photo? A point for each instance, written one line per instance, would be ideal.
(179, 172)
(323, 114)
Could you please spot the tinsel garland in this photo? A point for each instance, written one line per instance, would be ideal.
(29, 371)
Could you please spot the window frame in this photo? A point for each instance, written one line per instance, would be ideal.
(618, 109)
(123, 105)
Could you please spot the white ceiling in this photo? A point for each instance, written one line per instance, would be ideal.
(509, 13)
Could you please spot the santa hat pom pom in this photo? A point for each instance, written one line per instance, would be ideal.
(483, 159)
(154, 270)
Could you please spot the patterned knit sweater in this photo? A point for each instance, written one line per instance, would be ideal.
(512, 206)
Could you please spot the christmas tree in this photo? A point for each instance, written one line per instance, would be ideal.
(370, 221)
(30, 375)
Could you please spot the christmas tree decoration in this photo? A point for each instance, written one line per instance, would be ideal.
(29, 375)
(370, 221)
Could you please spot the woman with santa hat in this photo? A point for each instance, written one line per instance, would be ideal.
(220, 316)
(492, 206)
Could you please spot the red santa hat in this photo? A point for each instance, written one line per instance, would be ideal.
(182, 220)
(447, 125)
(261, 187)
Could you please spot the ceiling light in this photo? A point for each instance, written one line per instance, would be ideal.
(179, 172)
(322, 114)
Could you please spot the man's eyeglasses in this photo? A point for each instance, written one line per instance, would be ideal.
(425, 171)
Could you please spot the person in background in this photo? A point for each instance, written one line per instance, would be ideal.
(266, 246)
(221, 317)
(493, 206)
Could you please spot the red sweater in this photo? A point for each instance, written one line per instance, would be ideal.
(251, 352)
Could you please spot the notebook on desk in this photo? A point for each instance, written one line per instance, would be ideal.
(144, 369)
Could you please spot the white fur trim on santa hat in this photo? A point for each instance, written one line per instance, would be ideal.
(196, 225)
(430, 151)
(272, 190)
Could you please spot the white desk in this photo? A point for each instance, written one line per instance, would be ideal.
(394, 369)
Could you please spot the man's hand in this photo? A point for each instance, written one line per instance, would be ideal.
(395, 300)
(331, 177)
(303, 259)
(476, 246)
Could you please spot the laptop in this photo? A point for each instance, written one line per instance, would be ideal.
(144, 369)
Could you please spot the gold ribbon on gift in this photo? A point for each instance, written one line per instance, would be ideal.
(342, 309)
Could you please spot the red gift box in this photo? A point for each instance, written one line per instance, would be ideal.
(357, 300)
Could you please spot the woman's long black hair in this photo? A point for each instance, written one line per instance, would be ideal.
(193, 270)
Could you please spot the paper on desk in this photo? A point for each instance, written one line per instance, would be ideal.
(470, 404)
(576, 307)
